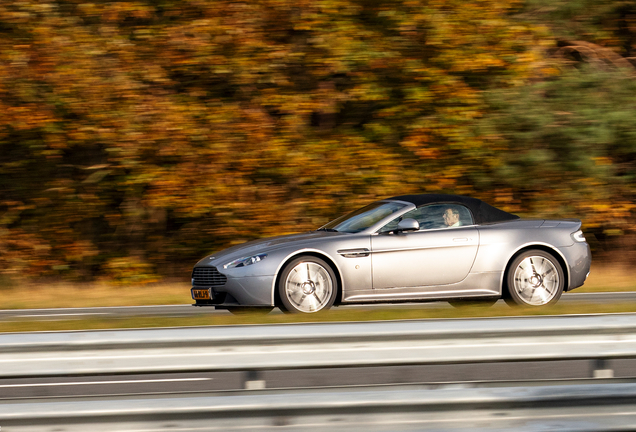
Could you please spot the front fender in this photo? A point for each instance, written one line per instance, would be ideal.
(306, 251)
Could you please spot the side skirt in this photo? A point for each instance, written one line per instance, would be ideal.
(476, 285)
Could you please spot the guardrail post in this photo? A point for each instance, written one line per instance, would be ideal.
(601, 369)
(253, 380)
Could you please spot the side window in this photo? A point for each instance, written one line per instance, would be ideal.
(391, 226)
(435, 216)
(454, 215)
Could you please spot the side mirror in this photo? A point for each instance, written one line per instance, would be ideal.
(408, 224)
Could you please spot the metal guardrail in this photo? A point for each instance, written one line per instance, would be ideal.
(605, 407)
(318, 345)
(599, 407)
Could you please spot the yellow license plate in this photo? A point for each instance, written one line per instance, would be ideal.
(201, 294)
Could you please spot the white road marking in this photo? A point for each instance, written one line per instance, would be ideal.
(104, 382)
(59, 315)
(184, 305)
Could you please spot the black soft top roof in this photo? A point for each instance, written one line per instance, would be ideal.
(482, 212)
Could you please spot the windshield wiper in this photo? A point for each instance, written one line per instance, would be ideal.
(327, 229)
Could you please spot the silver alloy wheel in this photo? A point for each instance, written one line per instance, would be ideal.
(309, 287)
(536, 280)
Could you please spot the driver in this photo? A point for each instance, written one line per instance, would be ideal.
(451, 217)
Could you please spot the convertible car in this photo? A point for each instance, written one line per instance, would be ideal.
(407, 248)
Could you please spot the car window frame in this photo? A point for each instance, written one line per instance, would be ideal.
(402, 216)
(372, 229)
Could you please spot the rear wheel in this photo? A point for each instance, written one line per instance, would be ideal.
(307, 284)
(535, 278)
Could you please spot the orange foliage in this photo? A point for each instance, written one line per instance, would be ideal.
(152, 132)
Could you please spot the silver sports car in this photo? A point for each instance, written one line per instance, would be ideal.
(402, 249)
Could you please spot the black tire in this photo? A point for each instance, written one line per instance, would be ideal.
(247, 310)
(307, 285)
(534, 278)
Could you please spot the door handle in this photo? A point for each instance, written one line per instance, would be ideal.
(462, 239)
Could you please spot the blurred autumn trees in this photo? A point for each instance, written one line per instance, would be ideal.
(137, 136)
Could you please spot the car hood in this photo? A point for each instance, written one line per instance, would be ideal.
(264, 246)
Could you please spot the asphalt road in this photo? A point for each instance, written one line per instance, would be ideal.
(59, 314)
(474, 374)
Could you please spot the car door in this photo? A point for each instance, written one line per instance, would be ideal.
(437, 254)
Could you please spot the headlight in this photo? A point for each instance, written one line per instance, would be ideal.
(245, 261)
(578, 236)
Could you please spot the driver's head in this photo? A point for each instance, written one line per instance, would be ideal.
(451, 216)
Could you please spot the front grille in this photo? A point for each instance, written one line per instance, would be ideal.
(208, 276)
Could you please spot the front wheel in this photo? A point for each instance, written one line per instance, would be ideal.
(307, 284)
(535, 278)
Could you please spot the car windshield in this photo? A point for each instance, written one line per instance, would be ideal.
(364, 218)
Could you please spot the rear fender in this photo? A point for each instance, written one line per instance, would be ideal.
(541, 246)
